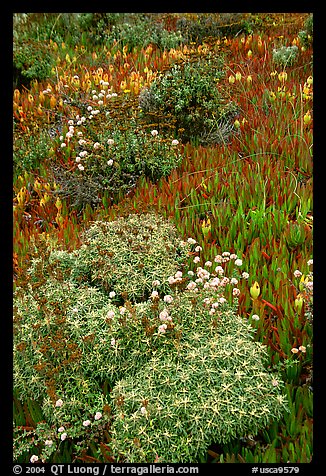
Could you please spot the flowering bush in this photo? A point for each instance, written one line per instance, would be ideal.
(102, 152)
(183, 368)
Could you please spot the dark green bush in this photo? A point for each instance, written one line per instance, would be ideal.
(31, 60)
(204, 25)
(190, 95)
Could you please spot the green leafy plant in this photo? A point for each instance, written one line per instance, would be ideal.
(182, 366)
(110, 151)
(189, 94)
(285, 55)
(125, 256)
(31, 61)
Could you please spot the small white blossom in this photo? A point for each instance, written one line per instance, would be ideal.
(175, 142)
(219, 270)
(59, 403)
(297, 273)
(310, 262)
(61, 429)
(86, 423)
(97, 145)
(110, 141)
(164, 315)
(48, 442)
(154, 132)
(162, 328)
(235, 291)
(63, 145)
(208, 264)
(198, 249)
(110, 162)
(156, 283)
(238, 262)
(143, 411)
(245, 275)
(112, 342)
(98, 416)
(33, 459)
(83, 153)
(81, 167)
(168, 299)
(191, 241)
(255, 317)
(112, 294)
(196, 259)
(110, 314)
(63, 436)
(191, 285)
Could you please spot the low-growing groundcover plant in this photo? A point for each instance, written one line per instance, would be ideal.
(159, 379)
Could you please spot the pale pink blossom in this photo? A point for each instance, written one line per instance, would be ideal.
(168, 299)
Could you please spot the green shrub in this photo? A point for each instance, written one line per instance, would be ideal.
(125, 256)
(143, 31)
(30, 151)
(285, 55)
(189, 94)
(32, 60)
(196, 28)
(212, 388)
(306, 35)
(179, 371)
(118, 150)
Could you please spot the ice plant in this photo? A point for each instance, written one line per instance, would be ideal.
(298, 303)
(255, 291)
(206, 227)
